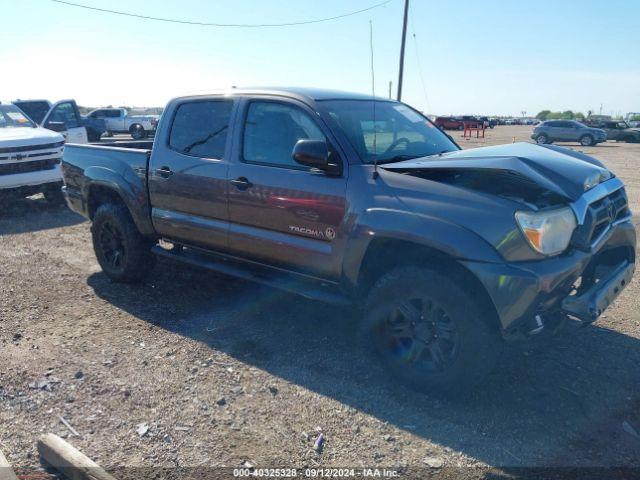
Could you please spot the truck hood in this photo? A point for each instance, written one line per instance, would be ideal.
(26, 137)
(536, 174)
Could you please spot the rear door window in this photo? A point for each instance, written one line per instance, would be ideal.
(200, 128)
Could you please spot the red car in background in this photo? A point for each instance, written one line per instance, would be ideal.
(449, 123)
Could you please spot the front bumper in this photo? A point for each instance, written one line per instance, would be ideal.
(30, 179)
(588, 306)
(521, 290)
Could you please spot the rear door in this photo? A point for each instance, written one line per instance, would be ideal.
(188, 173)
(64, 117)
(571, 131)
(115, 119)
(280, 212)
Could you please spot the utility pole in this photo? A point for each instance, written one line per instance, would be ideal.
(390, 88)
(404, 40)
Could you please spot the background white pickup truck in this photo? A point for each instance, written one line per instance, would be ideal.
(119, 121)
(29, 157)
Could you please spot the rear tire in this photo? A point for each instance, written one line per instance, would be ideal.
(122, 252)
(429, 332)
(542, 139)
(137, 132)
(587, 141)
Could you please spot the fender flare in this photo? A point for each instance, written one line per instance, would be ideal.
(131, 189)
(434, 233)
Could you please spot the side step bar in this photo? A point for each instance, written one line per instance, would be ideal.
(298, 284)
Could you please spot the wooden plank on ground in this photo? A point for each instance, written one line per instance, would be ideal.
(72, 463)
(6, 472)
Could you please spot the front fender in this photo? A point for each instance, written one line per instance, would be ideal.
(448, 238)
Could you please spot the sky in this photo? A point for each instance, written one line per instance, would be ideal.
(489, 57)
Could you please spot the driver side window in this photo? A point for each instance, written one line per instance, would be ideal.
(271, 131)
(66, 113)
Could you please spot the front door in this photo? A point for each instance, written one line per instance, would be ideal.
(280, 212)
(188, 174)
(64, 117)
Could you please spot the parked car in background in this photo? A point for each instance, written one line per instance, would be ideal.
(29, 157)
(567, 131)
(488, 122)
(449, 123)
(361, 202)
(619, 130)
(119, 121)
(62, 117)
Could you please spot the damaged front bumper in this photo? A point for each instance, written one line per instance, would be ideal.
(522, 292)
(588, 306)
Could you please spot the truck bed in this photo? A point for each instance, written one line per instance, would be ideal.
(134, 144)
(119, 166)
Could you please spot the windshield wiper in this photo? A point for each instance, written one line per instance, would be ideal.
(398, 158)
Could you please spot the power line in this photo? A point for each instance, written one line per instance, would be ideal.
(239, 25)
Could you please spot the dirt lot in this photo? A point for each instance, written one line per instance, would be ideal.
(194, 369)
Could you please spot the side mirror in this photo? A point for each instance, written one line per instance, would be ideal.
(57, 126)
(315, 154)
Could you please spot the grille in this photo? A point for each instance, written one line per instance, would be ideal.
(600, 215)
(31, 147)
(27, 167)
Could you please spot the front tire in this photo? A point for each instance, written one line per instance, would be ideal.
(586, 141)
(429, 332)
(122, 252)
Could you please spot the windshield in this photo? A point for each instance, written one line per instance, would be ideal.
(394, 132)
(11, 116)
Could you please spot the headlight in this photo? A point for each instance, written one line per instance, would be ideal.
(591, 181)
(548, 232)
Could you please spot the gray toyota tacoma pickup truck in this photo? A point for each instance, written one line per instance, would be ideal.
(345, 199)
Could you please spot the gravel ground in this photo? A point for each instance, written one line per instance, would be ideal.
(194, 369)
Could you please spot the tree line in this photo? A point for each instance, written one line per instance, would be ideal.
(566, 115)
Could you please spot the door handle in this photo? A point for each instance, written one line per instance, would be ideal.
(242, 183)
(164, 172)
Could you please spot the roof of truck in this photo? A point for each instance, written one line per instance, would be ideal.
(301, 93)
